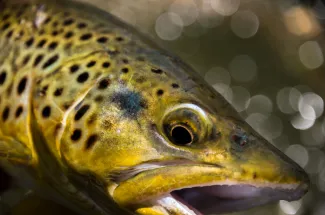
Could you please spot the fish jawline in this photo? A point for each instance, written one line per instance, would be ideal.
(227, 197)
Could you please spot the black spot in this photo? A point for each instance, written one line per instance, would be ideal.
(9, 34)
(254, 175)
(55, 24)
(76, 135)
(69, 34)
(5, 17)
(46, 112)
(83, 77)
(91, 64)
(53, 45)
(129, 102)
(29, 42)
(103, 84)
(126, 61)
(106, 64)
(26, 59)
(74, 68)
(86, 36)
(157, 71)
(66, 105)
(81, 112)
(5, 26)
(68, 22)
(19, 111)
(174, 85)
(55, 33)
(102, 39)
(22, 85)
(5, 113)
(91, 141)
(50, 61)
(119, 39)
(47, 20)
(41, 43)
(160, 92)
(125, 70)
(81, 25)
(38, 59)
(3, 76)
(58, 92)
(99, 99)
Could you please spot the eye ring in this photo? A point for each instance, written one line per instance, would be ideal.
(181, 135)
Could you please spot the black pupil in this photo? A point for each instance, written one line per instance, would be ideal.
(181, 136)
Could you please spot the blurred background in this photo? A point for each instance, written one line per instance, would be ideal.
(265, 56)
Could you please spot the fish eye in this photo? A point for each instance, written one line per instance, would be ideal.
(185, 124)
(181, 135)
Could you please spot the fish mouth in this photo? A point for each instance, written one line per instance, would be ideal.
(218, 199)
(224, 195)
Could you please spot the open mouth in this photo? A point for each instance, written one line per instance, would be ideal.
(170, 187)
(218, 199)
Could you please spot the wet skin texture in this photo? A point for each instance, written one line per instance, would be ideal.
(100, 119)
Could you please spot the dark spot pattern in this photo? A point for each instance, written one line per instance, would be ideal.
(81, 112)
(106, 64)
(50, 61)
(157, 71)
(160, 92)
(22, 85)
(125, 70)
(83, 77)
(102, 39)
(5, 113)
(91, 64)
(3, 77)
(46, 112)
(103, 84)
(91, 141)
(58, 92)
(86, 36)
(76, 135)
(74, 68)
(29, 42)
(19, 111)
(38, 59)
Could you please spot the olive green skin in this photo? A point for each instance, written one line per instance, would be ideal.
(100, 100)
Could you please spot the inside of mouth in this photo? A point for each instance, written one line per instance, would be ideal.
(219, 199)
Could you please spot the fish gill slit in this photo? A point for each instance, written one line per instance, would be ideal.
(70, 109)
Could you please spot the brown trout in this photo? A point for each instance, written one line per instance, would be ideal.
(95, 116)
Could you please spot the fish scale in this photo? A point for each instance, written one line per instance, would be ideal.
(99, 118)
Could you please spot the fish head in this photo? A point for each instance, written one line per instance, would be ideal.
(180, 148)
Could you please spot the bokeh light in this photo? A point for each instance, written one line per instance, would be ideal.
(169, 26)
(244, 24)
